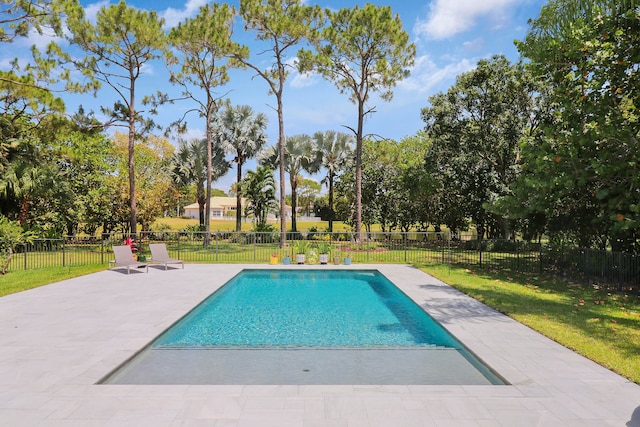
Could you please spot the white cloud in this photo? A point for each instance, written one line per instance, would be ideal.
(38, 40)
(427, 76)
(447, 18)
(91, 11)
(301, 80)
(474, 46)
(193, 133)
(147, 69)
(173, 16)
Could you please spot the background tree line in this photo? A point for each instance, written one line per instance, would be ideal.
(545, 147)
(548, 146)
(112, 52)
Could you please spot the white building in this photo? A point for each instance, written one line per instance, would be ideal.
(221, 208)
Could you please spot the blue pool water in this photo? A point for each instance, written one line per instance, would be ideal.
(305, 327)
(328, 309)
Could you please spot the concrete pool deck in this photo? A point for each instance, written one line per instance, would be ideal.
(58, 341)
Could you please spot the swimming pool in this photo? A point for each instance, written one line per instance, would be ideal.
(306, 327)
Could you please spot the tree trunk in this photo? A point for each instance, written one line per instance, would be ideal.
(132, 179)
(359, 170)
(207, 190)
(294, 203)
(23, 216)
(331, 211)
(283, 204)
(239, 196)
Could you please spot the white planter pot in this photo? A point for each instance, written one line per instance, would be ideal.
(300, 258)
(323, 258)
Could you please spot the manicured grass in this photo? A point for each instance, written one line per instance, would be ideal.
(17, 281)
(224, 225)
(605, 327)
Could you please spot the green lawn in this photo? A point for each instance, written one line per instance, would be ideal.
(17, 281)
(605, 327)
(224, 225)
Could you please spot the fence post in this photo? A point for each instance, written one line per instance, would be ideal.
(540, 258)
(405, 236)
(587, 265)
(24, 245)
(178, 245)
(216, 246)
(448, 250)
(480, 249)
(63, 253)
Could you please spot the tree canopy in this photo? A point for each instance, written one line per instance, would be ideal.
(362, 51)
(585, 161)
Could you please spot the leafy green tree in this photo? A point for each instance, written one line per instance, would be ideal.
(362, 51)
(58, 177)
(299, 155)
(282, 25)
(19, 16)
(119, 45)
(204, 45)
(241, 132)
(475, 130)
(25, 181)
(259, 188)
(586, 162)
(308, 190)
(412, 183)
(336, 154)
(189, 166)
(156, 189)
(17, 19)
(84, 190)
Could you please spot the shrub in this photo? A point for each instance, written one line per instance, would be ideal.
(11, 235)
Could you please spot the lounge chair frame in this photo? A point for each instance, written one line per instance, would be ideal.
(124, 259)
(159, 255)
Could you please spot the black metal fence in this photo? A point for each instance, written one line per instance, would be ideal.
(613, 270)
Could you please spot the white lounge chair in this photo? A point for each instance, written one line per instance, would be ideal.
(124, 259)
(159, 255)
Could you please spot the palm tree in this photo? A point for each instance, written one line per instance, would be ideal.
(260, 191)
(241, 132)
(299, 155)
(25, 181)
(189, 166)
(335, 153)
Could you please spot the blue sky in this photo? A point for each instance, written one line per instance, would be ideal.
(450, 37)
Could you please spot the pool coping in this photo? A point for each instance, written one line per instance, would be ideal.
(57, 341)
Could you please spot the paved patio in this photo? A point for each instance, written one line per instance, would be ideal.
(58, 341)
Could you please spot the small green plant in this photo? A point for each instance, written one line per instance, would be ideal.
(195, 228)
(301, 246)
(263, 228)
(323, 247)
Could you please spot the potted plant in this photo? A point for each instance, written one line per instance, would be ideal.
(300, 247)
(324, 249)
